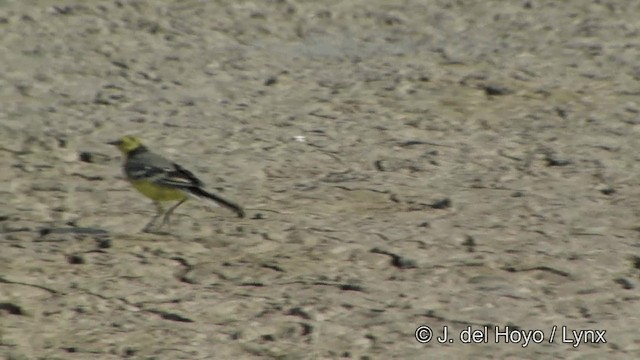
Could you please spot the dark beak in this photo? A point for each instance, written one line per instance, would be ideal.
(115, 142)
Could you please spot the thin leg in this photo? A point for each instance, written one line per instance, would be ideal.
(159, 211)
(165, 219)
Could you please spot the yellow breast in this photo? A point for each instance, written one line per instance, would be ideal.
(158, 193)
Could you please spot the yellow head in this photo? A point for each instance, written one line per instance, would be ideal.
(127, 144)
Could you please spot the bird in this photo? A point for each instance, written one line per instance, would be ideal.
(162, 180)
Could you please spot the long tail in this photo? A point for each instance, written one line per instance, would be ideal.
(217, 200)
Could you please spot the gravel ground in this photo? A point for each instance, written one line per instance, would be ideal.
(441, 163)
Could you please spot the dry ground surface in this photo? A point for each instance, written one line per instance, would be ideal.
(405, 163)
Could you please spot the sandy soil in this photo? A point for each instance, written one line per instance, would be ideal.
(438, 163)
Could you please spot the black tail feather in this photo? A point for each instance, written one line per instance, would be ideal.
(219, 200)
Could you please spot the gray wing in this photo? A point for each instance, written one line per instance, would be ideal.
(152, 167)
